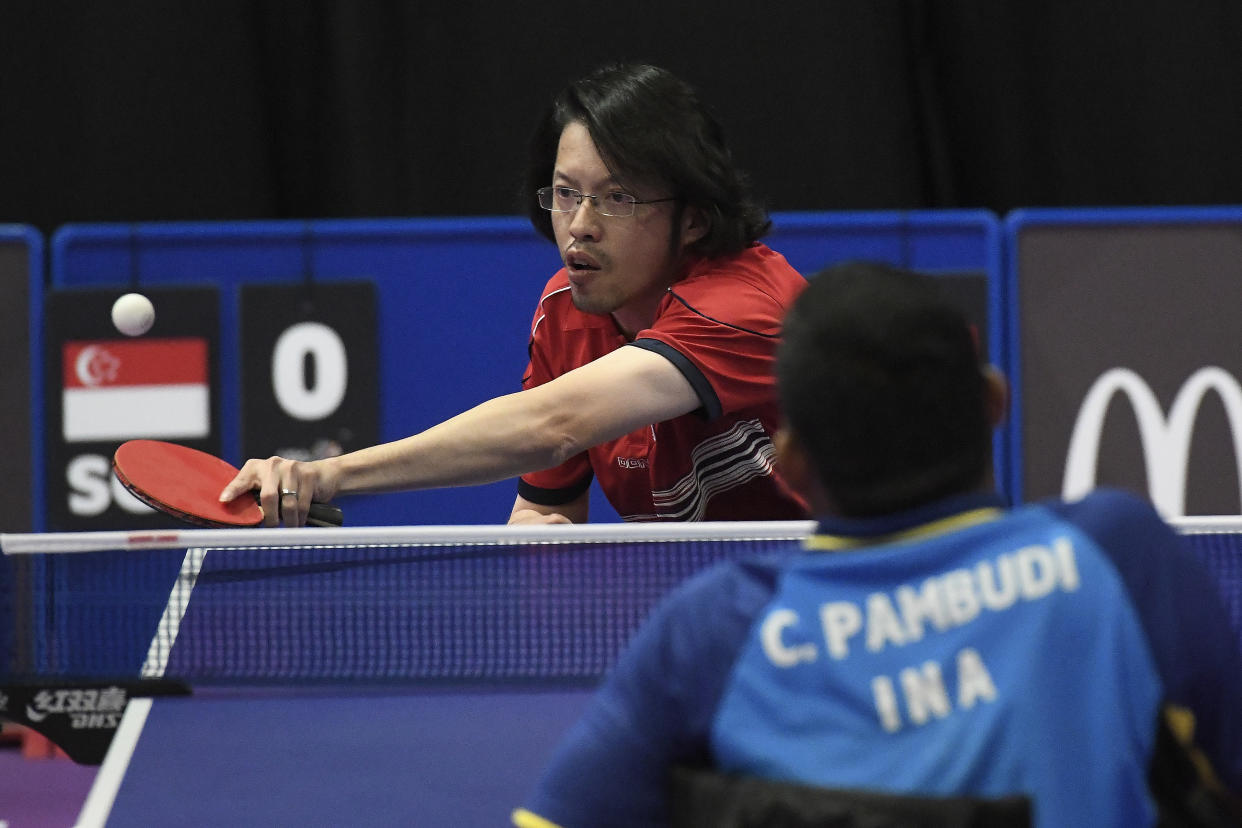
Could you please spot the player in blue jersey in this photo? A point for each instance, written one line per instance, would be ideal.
(929, 641)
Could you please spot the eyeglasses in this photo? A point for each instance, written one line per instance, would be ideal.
(567, 199)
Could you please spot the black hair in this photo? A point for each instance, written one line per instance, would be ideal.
(882, 384)
(648, 124)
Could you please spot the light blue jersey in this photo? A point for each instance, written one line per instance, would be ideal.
(954, 662)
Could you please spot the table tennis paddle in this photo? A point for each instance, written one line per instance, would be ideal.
(186, 483)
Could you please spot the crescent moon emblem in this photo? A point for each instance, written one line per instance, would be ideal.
(83, 365)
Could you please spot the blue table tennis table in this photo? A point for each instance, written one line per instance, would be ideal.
(332, 756)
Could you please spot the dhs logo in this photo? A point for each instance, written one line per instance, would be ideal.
(1166, 440)
(86, 708)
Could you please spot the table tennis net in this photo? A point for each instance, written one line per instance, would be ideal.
(398, 607)
(406, 605)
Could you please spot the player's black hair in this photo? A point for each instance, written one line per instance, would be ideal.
(881, 381)
(648, 124)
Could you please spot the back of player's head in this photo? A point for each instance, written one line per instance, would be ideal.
(881, 383)
(649, 125)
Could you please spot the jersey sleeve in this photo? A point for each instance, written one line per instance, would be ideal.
(655, 709)
(563, 483)
(721, 330)
(1193, 642)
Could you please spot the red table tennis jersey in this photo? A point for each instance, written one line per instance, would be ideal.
(719, 324)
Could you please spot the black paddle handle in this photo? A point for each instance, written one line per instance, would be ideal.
(324, 514)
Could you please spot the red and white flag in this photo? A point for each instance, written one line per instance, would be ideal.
(118, 389)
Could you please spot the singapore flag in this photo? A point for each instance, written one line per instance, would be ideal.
(122, 389)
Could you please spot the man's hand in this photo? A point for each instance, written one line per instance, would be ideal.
(286, 487)
(575, 511)
(530, 516)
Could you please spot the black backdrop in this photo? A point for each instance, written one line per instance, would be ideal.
(136, 110)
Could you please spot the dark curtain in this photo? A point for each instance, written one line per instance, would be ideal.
(139, 110)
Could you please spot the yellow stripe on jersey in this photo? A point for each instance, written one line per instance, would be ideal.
(523, 818)
(936, 527)
(1182, 722)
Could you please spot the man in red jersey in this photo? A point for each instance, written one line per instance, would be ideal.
(651, 351)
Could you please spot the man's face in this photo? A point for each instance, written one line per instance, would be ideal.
(617, 264)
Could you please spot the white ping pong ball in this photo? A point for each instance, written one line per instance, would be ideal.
(133, 314)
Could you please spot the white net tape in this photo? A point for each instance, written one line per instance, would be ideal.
(361, 536)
